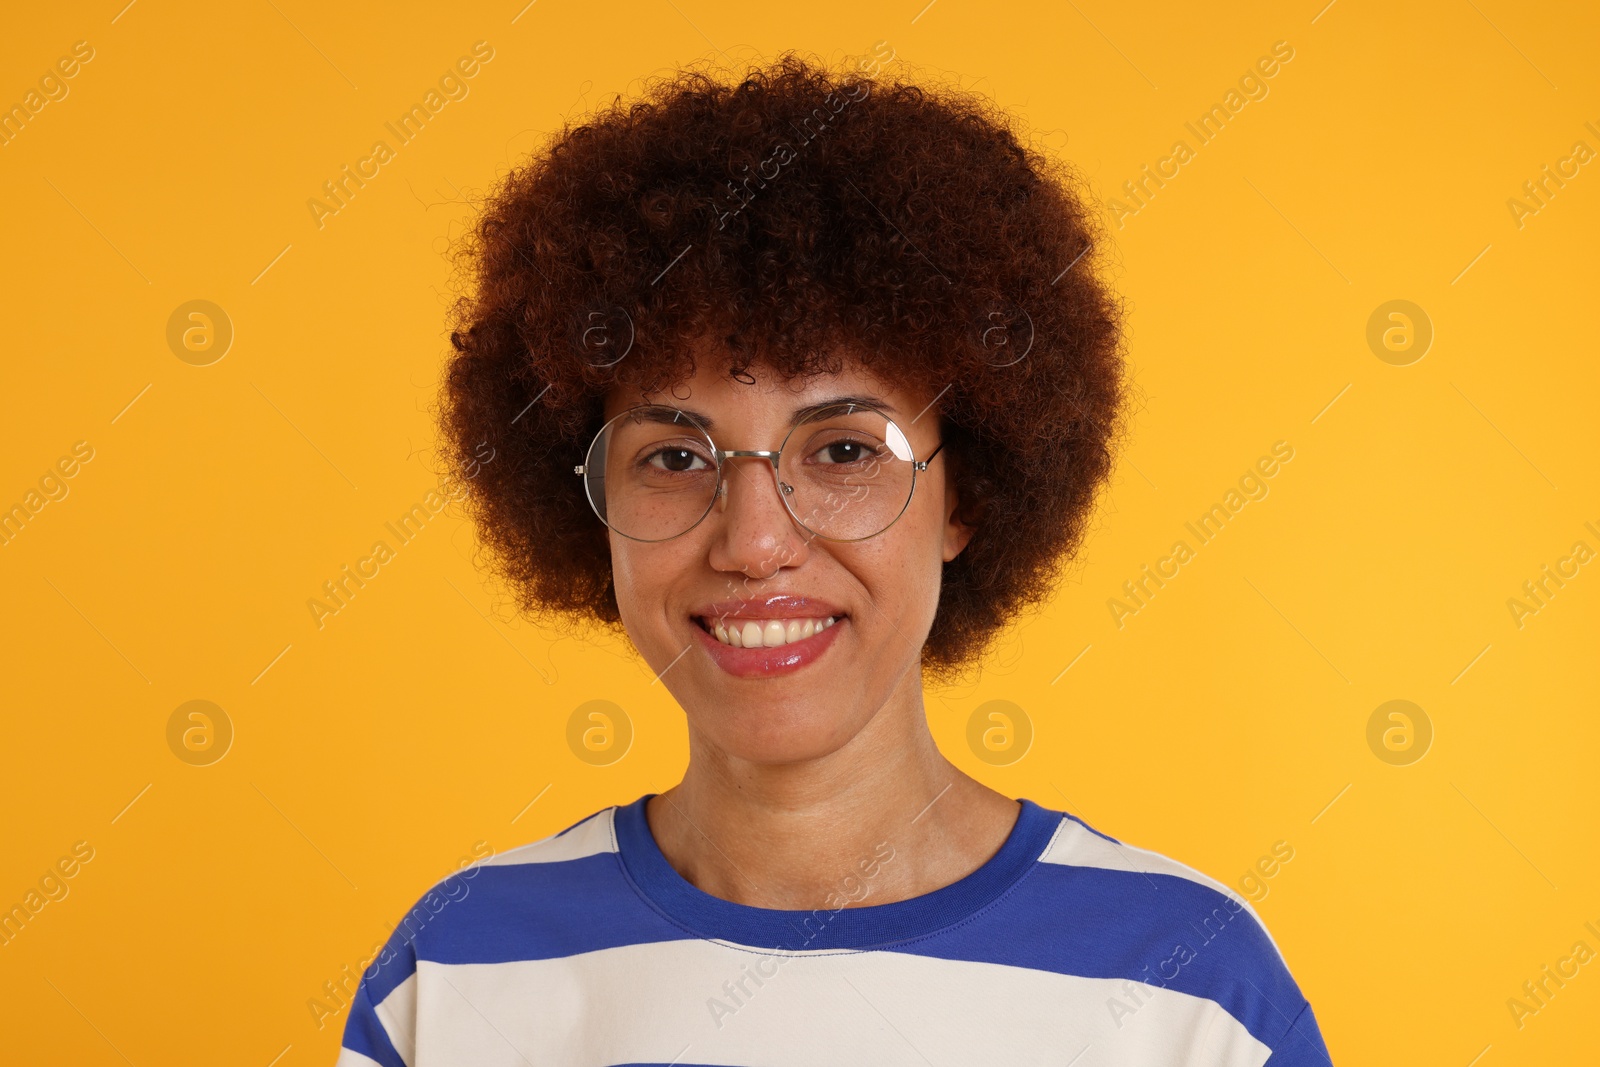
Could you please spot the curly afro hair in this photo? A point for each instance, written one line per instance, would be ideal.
(795, 218)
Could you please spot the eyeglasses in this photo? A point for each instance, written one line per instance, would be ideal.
(845, 473)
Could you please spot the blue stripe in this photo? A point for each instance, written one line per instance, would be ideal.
(364, 1033)
(537, 911)
(1159, 929)
(397, 960)
(395, 963)
(1302, 1046)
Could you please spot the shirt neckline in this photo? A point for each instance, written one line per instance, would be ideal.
(869, 926)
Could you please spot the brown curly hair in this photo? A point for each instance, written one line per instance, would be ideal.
(791, 218)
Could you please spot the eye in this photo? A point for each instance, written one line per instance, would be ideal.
(844, 450)
(676, 460)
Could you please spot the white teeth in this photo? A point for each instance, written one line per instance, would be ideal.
(769, 633)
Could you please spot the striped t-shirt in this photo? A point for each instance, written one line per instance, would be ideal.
(1065, 947)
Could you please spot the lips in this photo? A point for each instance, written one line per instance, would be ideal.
(767, 662)
(767, 636)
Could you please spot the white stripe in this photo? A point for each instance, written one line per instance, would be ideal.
(349, 1057)
(1074, 845)
(590, 837)
(398, 1014)
(657, 1003)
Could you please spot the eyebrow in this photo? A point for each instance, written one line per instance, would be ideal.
(798, 416)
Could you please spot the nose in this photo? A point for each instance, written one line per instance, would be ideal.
(757, 536)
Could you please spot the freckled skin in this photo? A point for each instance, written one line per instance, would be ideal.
(795, 778)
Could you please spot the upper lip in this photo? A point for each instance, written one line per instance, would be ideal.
(773, 606)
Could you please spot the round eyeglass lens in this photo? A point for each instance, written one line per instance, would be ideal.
(847, 474)
(651, 473)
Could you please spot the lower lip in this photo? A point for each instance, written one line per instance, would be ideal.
(768, 662)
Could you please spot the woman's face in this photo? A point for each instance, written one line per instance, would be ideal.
(750, 566)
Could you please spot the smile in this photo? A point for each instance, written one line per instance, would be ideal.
(766, 648)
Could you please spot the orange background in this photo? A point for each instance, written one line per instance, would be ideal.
(1230, 713)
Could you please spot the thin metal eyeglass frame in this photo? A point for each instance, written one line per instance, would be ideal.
(784, 490)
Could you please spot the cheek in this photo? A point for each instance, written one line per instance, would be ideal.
(637, 576)
(644, 576)
(926, 519)
(903, 565)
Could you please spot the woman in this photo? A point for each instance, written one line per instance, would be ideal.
(829, 361)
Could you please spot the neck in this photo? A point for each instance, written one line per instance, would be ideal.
(883, 818)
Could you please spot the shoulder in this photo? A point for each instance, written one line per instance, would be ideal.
(1157, 926)
(519, 897)
(574, 862)
(522, 903)
(1101, 858)
(534, 878)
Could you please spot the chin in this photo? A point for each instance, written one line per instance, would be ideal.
(777, 735)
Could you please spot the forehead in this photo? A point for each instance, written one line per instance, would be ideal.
(763, 396)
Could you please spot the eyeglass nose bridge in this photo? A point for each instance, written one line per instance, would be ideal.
(772, 456)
